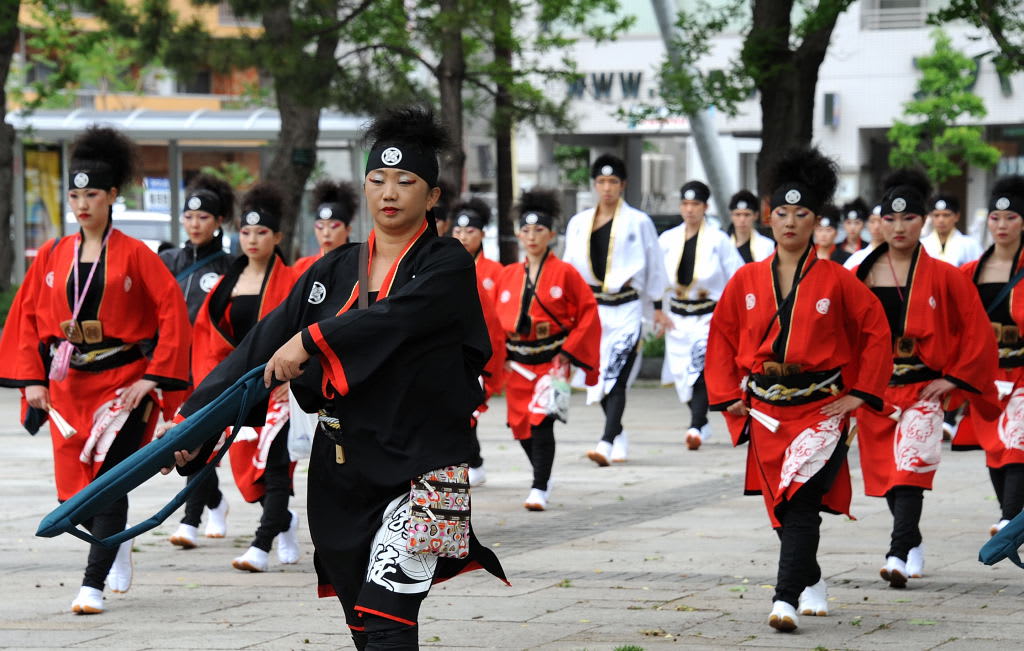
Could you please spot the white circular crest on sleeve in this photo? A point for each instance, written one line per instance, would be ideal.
(488, 284)
(822, 306)
(49, 279)
(751, 301)
(127, 284)
(317, 293)
(1002, 203)
(932, 302)
(207, 281)
(793, 196)
(556, 291)
(505, 297)
(391, 156)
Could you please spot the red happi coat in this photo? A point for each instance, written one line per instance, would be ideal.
(487, 273)
(214, 339)
(834, 322)
(303, 264)
(564, 292)
(1001, 434)
(944, 316)
(141, 301)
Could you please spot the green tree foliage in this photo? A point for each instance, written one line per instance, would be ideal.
(573, 164)
(931, 135)
(1004, 21)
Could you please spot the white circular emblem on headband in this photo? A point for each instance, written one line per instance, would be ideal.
(852, 214)
(877, 210)
(793, 196)
(899, 204)
(531, 218)
(252, 218)
(194, 203)
(827, 223)
(940, 204)
(463, 220)
(741, 205)
(81, 180)
(391, 156)
(1002, 203)
(689, 195)
(607, 170)
(326, 213)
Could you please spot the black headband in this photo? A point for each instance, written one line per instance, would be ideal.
(904, 199)
(404, 157)
(90, 174)
(206, 201)
(695, 191)
(829, 222)
(941, 202)
(468, 218)
(258, 217)
(796, 194)
(1011, 202)
(743, 200)
(608, 166)
(330, 210)
(533, 217)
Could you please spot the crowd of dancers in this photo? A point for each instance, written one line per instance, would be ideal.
(806, 336)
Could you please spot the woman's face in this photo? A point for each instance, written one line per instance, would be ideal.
(535, 238)
(875, 228)
(398, 200)
(470, 236)
(91, 206)
(902, 231)
(331, 233)
(853, 227)
(743, 221)
(792, 227)
(200, 226)
(825, 236)
(1005, 227)
(258, 242)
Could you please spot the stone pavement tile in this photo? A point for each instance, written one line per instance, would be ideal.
(30, 639)
(975, 644)
(447, 634)
(496, 609)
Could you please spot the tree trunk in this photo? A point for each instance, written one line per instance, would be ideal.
(8, 43)
(508, 246)
(451, 71)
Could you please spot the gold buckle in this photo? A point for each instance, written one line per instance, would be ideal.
(92, 331)
(1011, 334)
(543, 330)
(905, 347)
(72, 331)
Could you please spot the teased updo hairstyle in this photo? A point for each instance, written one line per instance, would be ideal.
(814, 174)
(541, 202)
(475, 204)
(108, 150)
(416, 131)
(339, 193)
(219, 187)
(265, 199)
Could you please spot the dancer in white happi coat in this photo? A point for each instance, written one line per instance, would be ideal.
(700, 259)
(946, 242)
(875, 230)
(615, 248)
(751, 244)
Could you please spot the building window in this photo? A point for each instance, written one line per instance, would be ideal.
(227, 17)
(893, 14)
(199, 84)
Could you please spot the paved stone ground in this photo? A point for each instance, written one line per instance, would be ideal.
(663, 551)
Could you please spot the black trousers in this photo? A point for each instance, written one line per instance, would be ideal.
(1008, 482)
(800, 531)
(699, 403)
(614, 402)
(383, 634)
(114, 518)
(540, 450)
(278, 486)
(905, 504)
(475, 460)
(205, 495)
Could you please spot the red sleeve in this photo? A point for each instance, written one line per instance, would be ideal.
(722, 374)
(170, 360)
(494, 371)
(19, 344)
(976, 364)
(870, 368)
(583, 345)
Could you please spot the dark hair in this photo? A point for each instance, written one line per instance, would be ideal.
(1011, 185)
(109, 147)
(442, 210)
(477, 205)
(747, 196)
(339, 192)
(219, 187)
(608, 160)
(857, 205)
(415, 125)
(907, 177)
(540, 200)
(807, 166)
(264, 197)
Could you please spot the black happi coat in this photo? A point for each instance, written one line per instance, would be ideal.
(196, 285)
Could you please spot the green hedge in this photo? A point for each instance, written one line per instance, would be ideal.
(654, 346)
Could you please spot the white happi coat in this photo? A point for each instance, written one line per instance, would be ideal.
(959, 250)
(634, 259)
(858, 257)
(760, 246)
(715, 261)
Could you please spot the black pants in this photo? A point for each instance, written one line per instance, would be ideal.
(1008, 482)
(800, 531)
(699, 403)
(905, 504)
(278, 486)
(207, 495)
(540, 450)
(383, 634)
(475, 460)
(115, 517)
(614, 402)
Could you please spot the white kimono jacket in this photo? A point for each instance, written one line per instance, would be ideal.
(959, 250)
(760, 246)
(634, 259)
(716, 260)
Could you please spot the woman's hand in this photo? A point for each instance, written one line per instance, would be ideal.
(133, 395)
(38, 396)
(280, 394)
(286, 363)
(738, 409)
(842, 406)
(937, 390)
(181, 457)
(662, 322)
